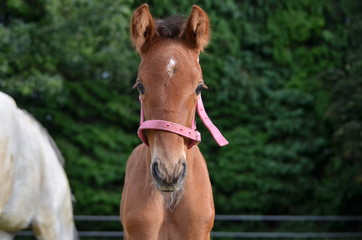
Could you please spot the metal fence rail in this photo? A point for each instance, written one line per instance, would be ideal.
(240, 235)
(288, 235)
(288, 218)
(247, 218)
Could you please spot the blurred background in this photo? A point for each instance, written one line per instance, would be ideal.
(285, 88)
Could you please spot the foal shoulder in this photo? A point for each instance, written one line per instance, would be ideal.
(137, 159)
(140, 152)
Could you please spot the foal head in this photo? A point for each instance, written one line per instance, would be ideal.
(169, 82)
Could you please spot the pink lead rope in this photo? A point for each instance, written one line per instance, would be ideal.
(215, 132)
(190, 133)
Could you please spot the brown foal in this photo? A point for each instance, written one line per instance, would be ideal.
(167, 192)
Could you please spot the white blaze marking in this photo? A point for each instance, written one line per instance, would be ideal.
(170, 68)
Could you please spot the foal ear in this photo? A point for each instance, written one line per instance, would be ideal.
(197, 32)
(142, 28)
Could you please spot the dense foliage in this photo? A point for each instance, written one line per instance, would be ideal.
(285, 89)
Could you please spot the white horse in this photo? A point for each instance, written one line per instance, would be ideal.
(34, 188)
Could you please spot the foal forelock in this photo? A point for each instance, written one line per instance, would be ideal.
(171, 27)
(48, 137)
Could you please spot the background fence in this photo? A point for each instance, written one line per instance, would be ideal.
(233, 235)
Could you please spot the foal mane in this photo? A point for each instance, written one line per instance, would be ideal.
(171, 27)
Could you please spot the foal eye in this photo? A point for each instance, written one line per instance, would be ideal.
(200, 87)
(139, 87)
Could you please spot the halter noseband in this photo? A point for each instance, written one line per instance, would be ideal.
(181, 130)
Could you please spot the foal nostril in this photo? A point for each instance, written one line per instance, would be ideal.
(181, 176)
(155, 172)
(184, 169)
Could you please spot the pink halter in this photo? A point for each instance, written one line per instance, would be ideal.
(181, 130)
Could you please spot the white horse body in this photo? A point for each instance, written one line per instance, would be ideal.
(33, 185)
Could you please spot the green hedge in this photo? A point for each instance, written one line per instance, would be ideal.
(285, 89)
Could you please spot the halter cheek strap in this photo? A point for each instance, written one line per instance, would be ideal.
(190, 133)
